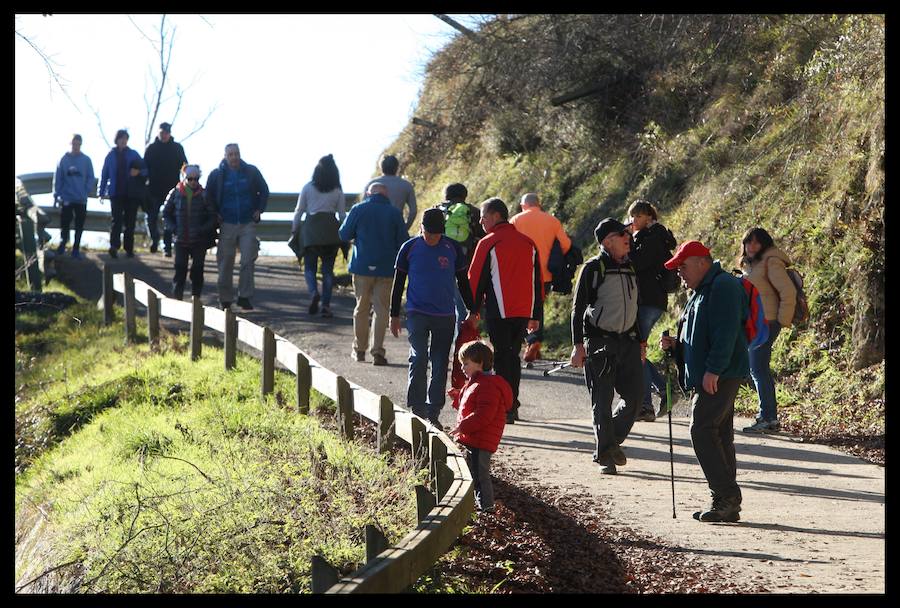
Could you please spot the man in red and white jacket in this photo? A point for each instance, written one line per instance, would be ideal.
(505, 276)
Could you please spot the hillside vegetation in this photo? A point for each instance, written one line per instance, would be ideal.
(726, 122)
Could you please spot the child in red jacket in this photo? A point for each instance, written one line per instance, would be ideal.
(484, 401)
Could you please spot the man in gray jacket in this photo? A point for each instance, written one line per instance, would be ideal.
(607, 341)
(399, 190)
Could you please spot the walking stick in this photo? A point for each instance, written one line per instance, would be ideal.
(669, 408)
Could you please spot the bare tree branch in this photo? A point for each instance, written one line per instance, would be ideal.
(203, 122)
(99, 120)
(51, 71)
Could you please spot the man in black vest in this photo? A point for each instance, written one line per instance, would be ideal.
(164, 159)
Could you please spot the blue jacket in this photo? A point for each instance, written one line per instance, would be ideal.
(242, 213)
(712, 334)
(108, 186)
(73, 179)
(377, 230)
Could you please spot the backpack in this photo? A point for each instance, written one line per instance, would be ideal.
(668, 279)
(457, 222)
(756, 327)
(801, 309)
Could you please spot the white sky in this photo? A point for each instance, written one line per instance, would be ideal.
(289, 88)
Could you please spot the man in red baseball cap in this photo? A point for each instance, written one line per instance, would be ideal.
(712, 350)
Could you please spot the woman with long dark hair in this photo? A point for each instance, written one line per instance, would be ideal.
(765, 265)
(320, 210)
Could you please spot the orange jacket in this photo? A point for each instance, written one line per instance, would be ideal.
(543, 229)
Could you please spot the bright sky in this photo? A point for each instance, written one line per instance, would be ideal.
(287, 88)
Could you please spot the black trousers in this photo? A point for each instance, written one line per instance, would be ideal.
(197, 254)
(712, 435)
(124, 214)
(538, 336)
(79, 211)
(506, 335)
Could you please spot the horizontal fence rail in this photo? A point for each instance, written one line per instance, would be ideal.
(443, 511)
(98, 221)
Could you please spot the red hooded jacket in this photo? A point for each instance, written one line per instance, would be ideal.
(482, 412)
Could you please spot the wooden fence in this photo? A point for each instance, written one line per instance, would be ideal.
(443, 511)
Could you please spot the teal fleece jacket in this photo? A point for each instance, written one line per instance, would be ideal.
(712, 333)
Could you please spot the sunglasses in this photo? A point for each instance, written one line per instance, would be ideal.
(193, 179)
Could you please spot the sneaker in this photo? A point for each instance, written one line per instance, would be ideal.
(245, 303)
(646, 415)
(722, 510)
(762, 426)
(608, 467)
(314, 305)
(113, 253)
(326, 312)
(378, 359)
(533, 352)
(359, 355)
(61, 250)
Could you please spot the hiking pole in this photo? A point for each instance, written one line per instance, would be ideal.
(669, 407)
(559, 365)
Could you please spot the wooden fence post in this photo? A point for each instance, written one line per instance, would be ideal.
(386, 425)
(268, 362)
(109, 295)
(425, 502)
(130, 322)
(419, 446)
(324, 575)
(304, 383)
(437, 454)
(153, 318)
(376, 542)
(231, 331)
(345, 408)
(197, 318)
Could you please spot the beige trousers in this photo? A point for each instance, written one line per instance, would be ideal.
(371, 292)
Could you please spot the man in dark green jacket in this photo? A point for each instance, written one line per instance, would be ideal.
(714, 352)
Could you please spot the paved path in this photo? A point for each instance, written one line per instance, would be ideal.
(812, 519)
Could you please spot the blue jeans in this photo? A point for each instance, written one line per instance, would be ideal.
(461, 312)
(647, 318)
(430, 339)
(310, 261)
(762, 374)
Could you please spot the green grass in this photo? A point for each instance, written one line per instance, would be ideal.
(149, 473)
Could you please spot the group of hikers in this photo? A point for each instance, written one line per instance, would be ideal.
(471, 263)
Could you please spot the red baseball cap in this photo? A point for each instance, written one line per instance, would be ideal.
(686, 250)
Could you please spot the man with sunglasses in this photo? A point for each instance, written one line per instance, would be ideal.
(608, 343)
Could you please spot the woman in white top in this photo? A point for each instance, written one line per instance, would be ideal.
(322, 202)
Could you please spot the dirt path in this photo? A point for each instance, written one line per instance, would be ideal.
(812, 519)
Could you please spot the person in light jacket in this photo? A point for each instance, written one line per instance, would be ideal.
(73, 179)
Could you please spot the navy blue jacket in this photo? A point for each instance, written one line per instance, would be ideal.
(259, 193)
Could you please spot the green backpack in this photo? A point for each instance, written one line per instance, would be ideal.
(456, 222)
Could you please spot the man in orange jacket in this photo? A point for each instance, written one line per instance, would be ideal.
(543, 229)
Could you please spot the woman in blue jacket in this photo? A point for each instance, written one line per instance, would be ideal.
(114, 186)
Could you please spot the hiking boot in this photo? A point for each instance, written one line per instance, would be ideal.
(359, 355)
(722, 510)
(245, 304)
(326, 312)
(533, 352)
(314, 305)
(762, 426)
(646, 415)
(607, 466)
(378, 359)
(617, 455)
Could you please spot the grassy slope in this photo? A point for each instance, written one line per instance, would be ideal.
(150, 473)
(789, 136)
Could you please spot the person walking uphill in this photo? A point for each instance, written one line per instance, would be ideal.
(321, 207)
(239, 194)
(377, 230)
(711, 350)
(432, 262)
(71, 183)
(191, 218)
(164, 158)
(653, 245)
(607, 341)
(114, 186)
(765, 265)
(400, 191)
(505, 277)
(543, 229)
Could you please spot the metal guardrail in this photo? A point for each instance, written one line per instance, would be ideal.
(443, 511)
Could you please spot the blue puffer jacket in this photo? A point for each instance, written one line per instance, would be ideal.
(377, 230)
(712, 334)
(107, 185)
(242, 213)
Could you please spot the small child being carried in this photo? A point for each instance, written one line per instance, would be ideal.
(484, 400)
